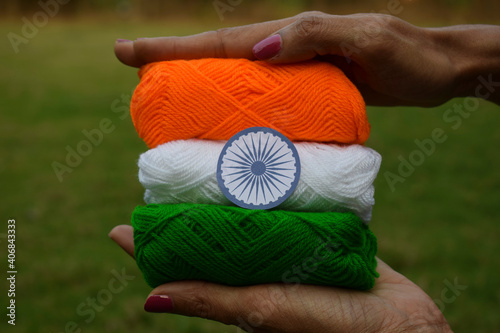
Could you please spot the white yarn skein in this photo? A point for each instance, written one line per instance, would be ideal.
(333, 177)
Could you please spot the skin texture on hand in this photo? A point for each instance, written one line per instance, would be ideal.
(391, 61)
(395, 304)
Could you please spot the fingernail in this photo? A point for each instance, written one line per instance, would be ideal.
(268, 47)
(159, 303)
(120, 40)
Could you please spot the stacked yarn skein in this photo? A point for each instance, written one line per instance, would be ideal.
(185, 111)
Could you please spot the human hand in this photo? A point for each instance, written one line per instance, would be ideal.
(390, 61)
(395, 304)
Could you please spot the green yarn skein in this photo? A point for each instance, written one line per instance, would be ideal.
(238, 247)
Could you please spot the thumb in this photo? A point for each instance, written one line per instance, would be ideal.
(308, 36)
(225, 304)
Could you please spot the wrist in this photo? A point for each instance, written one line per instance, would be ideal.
(474, 52)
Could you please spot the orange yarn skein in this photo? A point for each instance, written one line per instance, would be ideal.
(217, 98)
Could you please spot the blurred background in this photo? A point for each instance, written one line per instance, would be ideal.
(60, 81)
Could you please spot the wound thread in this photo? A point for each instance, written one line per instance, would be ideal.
(238, 247)
(334, 178)
(194, 234)
(216, 98)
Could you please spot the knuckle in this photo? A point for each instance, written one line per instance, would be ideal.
(384, 26)
(373, 34)
(387, 37)
(311, 13)
(221, 35)
(392, 22)
(309, 24)
(201, 307)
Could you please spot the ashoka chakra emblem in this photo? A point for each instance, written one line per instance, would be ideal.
(258, 168)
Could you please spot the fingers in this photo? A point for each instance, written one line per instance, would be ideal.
(293, 39)
(234, 42)
(202, 299)
(123, 235)
(190, 298)
(311, 34)
(124, 51)
(303, 39)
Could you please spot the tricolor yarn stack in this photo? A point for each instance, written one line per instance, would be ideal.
(186, 111)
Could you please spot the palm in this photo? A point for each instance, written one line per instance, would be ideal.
(395, 304)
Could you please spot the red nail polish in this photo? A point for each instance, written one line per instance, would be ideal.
(159, 303)
(268, 47)
(120, 40)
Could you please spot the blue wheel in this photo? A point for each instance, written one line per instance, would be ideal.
(258, 168)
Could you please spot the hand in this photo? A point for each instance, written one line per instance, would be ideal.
(391, 61)
(395, 304)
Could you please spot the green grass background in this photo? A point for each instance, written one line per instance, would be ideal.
(442, 223)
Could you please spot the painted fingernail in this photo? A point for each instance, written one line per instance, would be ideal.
(159, 303)
(120, 40)
(268, 47)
